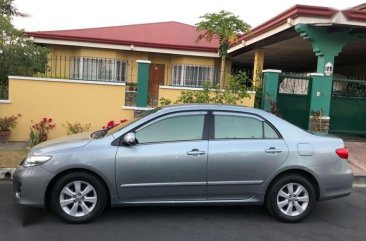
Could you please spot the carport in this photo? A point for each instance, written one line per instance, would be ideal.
(315, 60)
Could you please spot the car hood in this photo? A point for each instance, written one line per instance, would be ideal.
(63, 143)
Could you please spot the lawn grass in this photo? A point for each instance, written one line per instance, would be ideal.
(12, 158)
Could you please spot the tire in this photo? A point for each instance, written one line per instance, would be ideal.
(291, 206)
(83, 197)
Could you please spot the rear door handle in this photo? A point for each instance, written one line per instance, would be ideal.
(273, 150)
(196, 152)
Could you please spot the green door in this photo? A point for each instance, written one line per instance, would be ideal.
(293, 99)
(347, 109)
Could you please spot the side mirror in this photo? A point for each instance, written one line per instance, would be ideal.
(130, 138)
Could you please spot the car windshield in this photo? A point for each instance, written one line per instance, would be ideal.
(129, 122)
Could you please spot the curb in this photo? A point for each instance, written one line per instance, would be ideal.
(361, 180)
(6, 174)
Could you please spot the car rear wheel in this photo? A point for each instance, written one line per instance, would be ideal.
(78, 197)
(291, 198)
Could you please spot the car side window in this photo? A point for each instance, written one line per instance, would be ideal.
(242, 127)
(237, 127)
(269, 133)
(175, 128)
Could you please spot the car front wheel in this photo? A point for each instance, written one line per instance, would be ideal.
(291, 198)
(78, 197)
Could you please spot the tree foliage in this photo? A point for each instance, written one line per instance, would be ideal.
(18, 54)
(223, 26)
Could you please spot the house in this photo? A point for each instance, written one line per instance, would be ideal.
(100, 74)
(170, 49)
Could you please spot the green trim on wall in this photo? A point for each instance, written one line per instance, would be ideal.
(321, 94)
(271, 81)
(142, 84)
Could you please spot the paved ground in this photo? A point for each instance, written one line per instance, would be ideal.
(342, 219)
(357, 157)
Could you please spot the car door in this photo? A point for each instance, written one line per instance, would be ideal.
(169, 161)
(244, 150)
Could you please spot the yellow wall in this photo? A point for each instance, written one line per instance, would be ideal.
(65, 100)
(172, 93)
(62, 101)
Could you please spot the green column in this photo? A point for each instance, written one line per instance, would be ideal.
(326, 46)
(320, 93)
(142, 82)
(271, 79)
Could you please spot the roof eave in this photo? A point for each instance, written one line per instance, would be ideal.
(294, 12)
(353, 14)
(119, 42)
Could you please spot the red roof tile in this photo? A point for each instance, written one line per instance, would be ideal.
(172, 35)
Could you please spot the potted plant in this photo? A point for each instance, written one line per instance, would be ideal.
(319, 122)
(131, 86)
(7, 123)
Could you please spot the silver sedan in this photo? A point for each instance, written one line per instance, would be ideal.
(187, 154)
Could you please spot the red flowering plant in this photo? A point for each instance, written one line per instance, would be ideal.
(111, 124)
(39, 131)
(8, 122)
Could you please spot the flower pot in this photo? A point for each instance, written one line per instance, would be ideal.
(4, 136)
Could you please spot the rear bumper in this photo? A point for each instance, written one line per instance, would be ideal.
(334, 180)
(30, 185)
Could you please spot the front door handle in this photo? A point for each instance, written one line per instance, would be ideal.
(273, 150)
(196, 152)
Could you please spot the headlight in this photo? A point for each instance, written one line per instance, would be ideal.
(32, 160)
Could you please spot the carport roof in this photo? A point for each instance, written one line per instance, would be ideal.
(321, 16)
(285, 49)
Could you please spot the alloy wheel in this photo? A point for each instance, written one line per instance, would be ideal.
(78, 198)
(292, 199)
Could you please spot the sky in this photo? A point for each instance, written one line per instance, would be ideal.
(74, 14)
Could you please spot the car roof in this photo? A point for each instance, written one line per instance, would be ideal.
(184, 107)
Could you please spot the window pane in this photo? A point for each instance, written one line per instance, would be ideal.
(193, 75)
(178, 128)
(269, 133)
(232, 127)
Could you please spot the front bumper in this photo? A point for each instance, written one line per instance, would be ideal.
(30, 185)
(334, 180)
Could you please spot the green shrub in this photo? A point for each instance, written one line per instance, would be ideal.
(76, 127)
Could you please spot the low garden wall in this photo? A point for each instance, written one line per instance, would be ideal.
(62, 100)
(173, 92)
(73, 101)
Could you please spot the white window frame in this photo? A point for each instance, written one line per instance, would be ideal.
(213, 74)
(78, 62)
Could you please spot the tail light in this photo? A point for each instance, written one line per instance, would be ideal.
(342, 153)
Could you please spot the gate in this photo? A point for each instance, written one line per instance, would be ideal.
(347, 109)
(293, 99)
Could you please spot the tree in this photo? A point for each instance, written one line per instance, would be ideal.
(226, 27)
(18, 54)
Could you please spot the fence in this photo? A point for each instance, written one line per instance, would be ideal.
(293, 98)
(123, 71)
(348, 111)
(294, 83)
(63, 101)
(352, 87)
